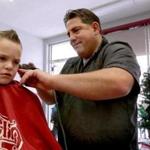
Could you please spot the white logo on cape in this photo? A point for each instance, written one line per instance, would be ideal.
(10, 137)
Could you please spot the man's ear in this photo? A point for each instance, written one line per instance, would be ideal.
(96, 27)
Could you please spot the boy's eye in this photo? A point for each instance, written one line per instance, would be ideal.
(2, 58)
(16, 62)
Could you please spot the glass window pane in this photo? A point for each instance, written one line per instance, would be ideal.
(62, 50)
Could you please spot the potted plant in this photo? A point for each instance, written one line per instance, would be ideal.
(144, 107)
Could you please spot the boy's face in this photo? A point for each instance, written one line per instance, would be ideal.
(10, 53)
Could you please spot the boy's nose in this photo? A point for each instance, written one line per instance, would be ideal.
(9, 65)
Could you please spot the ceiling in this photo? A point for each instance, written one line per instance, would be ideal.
(44, 18)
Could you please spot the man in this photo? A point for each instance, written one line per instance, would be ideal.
(96, 91)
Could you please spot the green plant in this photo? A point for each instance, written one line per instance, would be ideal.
(144, 107)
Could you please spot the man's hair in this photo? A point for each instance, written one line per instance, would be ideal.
(10, 35)
(86, 16)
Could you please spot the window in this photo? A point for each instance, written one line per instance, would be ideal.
(59, 54)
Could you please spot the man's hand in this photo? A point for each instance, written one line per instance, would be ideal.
(35, 78)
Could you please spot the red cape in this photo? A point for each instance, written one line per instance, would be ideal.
(22, 121)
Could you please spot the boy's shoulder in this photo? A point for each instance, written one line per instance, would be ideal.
(15, 87)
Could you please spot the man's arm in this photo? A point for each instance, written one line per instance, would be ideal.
(103, 84)
(47, 96)
(97, 85)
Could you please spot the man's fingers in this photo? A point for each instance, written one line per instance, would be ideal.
(21, 72)
(25, 75)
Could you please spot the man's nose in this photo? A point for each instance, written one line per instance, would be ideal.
(72, 37)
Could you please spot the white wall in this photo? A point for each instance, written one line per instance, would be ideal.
(32, 49)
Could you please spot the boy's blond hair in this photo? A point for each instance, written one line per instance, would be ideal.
(10, 35)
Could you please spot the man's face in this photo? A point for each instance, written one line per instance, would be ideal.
(83, 37)
(10, 54)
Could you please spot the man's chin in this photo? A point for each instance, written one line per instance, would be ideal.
(80, 52)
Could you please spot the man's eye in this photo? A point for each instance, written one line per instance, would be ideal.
(76, 30)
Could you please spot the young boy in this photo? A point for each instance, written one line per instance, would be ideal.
(22, 122)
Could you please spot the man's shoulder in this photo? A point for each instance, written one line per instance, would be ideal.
(118, 44)
(114, 45)
(73, 60)
(70, 63)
